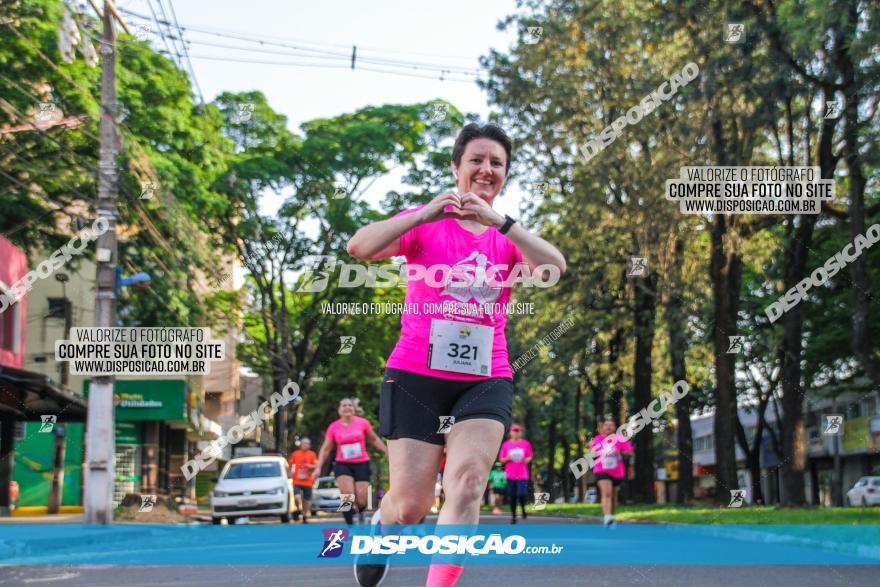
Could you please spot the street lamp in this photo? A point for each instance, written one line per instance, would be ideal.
(130, 280)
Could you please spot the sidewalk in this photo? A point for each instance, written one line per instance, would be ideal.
(43, 518)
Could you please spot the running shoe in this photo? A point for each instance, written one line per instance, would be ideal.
(361, 519)
(371, 575)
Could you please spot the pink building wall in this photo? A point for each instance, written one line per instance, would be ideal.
(13, 266)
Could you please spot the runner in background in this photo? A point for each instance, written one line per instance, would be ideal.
(610, 469)
(302, 469)
(516, 454)
(350, 434)
(498, 481)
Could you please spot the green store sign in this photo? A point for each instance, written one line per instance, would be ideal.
(138, 400)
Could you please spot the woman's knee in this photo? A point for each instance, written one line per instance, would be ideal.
(411, 509)
(466, 484)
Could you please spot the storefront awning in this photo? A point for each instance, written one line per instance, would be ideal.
(29, 395)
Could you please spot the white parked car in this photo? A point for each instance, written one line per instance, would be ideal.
(325, 495)
(865, 492)
(253, 486)
(592, 495)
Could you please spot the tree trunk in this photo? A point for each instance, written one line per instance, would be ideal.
(566, 479)
(861, 287)
(617, 402)
(726, 273)
(793, 441)
(551, 454)
(796, 253)
(645, 313)
(677, 349)
(579, 435)
(753, 462)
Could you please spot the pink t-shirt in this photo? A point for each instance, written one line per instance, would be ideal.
(611, 462)
(518, 451)
(351, 440)
(446, 243)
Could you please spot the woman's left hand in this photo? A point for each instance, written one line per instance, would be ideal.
(478, 209)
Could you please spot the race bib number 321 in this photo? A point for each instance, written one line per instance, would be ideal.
(460, 347)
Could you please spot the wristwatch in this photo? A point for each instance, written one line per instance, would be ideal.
(508, 222)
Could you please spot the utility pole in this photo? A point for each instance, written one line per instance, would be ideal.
(281, 430)
(100, 427)
(56, 489)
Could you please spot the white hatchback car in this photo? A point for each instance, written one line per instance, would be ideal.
(865, 492)
(253, 486)
(325, 496)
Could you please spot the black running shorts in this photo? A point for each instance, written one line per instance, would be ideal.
(415, 406)
(360, 471)
(615, 481)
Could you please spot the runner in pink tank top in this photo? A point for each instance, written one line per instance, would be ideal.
(448, 380)
(610, 469)
(350, 434)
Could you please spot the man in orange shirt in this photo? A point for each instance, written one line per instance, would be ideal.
(302, 465)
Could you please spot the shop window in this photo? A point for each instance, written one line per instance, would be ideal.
(57, 308)
(852, 410)
(811, 419)
(9, 328)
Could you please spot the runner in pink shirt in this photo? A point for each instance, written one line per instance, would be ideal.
(448, 380)
(350, 434)
(516, 454)
(610, 468)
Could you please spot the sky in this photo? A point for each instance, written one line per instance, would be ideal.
(453, 34)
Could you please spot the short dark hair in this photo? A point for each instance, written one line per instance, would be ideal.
(475, 131)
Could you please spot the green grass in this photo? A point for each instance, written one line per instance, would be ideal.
(703, 514)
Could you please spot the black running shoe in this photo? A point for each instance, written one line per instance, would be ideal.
(372, 574)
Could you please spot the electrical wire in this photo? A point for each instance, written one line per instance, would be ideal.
(186, 52)
(266, 39)
(325, 66)
(320, 53)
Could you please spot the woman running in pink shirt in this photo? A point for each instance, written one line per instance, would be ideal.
(516, 454)
(448, 380)
(610, 469)
(350, 434)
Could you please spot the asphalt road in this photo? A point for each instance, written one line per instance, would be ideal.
(475, 575)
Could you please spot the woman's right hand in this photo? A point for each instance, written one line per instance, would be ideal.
(436, 209)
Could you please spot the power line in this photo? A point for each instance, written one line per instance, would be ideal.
(150, 227)
(329, 66)
(263, 38)
(186, 52)
(322, 53)
(337, 57)
(116, 122)
(161, 34)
